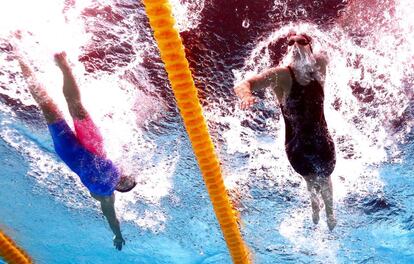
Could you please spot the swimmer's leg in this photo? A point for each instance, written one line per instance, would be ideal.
(313, 190)
(46, 104)
(70, 88)
(86, 130)
(327, 196)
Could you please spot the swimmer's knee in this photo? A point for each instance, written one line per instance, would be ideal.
(313, 184)
(77, 110)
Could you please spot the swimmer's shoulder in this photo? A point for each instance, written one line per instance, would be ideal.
(322, 60)
(283, 83)
(283, 72)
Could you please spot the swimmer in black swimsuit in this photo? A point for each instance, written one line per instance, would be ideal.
(299, 89)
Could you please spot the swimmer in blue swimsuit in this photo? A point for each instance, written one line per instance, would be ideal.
(82, 150)
(308, 143)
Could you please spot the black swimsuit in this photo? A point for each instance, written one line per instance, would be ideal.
(308, 144)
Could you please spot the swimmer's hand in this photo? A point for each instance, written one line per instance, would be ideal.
(119, 242)
(247, 102)
(243, 91)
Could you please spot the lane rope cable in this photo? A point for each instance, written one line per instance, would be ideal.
(10, 252)
(172, 54)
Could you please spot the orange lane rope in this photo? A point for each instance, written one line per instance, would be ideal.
(172, 54)
(10, 252)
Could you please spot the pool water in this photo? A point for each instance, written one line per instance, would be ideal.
(168, 218)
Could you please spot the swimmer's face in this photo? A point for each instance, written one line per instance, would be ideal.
(300, 55)
(299, 45)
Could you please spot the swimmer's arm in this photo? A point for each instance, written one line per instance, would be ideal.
(260, 81)
(257, 82)
(108, 209)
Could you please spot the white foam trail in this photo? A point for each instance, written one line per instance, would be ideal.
(45, 19)
(187, 13)
(317, 241)
(154, 183)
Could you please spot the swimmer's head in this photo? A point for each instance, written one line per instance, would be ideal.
(301, 41)
(300, 55)
(126, 183)
(281, 52)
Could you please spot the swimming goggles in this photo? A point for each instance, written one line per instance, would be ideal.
(300, 41)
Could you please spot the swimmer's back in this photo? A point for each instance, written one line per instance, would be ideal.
(309, 146)
(96, 172)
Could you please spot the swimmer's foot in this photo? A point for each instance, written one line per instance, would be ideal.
(24, 63)
(61, 61)
(331, 222)
(15, 42)
(27, 72)
(315, 216)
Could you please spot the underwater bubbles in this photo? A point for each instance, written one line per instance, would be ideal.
(246, 23)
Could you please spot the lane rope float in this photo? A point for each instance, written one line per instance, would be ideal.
(10, 252)
(172, 54)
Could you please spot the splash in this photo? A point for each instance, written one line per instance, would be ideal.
(46, 21)
(369, 83)
(112, 99)
(365, 90)
(187, 13)
(360, 129)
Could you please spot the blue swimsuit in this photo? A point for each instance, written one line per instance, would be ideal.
(97, 173)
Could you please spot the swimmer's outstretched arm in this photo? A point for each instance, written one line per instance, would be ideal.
(108, 209)
(262, 80)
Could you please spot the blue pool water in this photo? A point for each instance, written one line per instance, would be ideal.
(52, 233)
(377, 229)
(168, 218)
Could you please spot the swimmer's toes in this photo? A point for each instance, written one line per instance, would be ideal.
(60, 55)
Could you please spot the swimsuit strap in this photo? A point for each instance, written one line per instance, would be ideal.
(292, 74)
